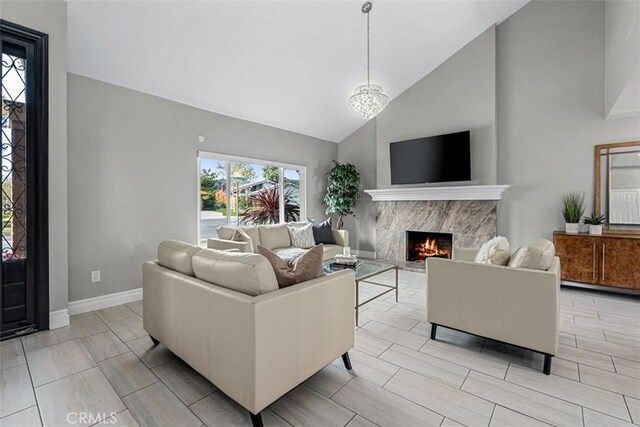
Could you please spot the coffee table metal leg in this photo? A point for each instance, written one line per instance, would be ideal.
(357, 300)
(396, 284)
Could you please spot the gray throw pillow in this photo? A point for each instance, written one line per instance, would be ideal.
(306, 267)
(322, 233)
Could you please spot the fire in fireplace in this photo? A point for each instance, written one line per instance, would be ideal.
(422, 245)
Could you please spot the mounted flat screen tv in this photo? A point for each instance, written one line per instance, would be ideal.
(440, 158)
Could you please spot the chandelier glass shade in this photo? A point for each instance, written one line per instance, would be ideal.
(368, 100)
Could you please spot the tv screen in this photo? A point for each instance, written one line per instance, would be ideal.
(441, 158)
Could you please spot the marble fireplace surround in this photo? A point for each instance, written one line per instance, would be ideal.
(472, 222)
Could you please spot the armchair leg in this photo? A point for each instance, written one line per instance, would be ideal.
(346, 361)
(155, 341)
(434, 328)
(547, 364)
(256, 419)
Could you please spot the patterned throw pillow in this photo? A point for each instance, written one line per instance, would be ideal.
(302, 237)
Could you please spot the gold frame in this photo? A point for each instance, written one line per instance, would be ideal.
(605, 150)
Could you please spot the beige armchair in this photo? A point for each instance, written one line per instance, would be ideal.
(513, 305)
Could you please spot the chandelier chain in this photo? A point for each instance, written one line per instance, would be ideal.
(368, 53)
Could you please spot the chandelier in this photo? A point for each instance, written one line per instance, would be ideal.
(368, 100)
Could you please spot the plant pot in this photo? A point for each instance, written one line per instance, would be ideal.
(571, 227)
(595, 229)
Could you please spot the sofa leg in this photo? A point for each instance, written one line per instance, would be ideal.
(346, 361)
(547, 364)
(256, 419)
(155, 341)
(434, 328)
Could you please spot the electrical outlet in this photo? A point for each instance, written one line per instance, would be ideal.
(95, 276)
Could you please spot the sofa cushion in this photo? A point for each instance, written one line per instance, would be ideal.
(330, 251)
(496, 252)
(302, 237)
(176, 255)
(274, 236)
(241, 236)
(537, 255)
(306, 267)
(248, 273)
(322, 232)
(226, 233)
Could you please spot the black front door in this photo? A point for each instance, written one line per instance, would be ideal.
(24, 299)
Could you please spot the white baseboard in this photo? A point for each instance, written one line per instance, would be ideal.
(365, 254)
(104, 301)
(58, 319)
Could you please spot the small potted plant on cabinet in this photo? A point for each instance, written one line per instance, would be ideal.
(595, 223)
(572, 210)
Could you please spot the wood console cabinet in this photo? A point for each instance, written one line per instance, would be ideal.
(612, 259)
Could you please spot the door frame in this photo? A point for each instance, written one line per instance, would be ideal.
(37, 130)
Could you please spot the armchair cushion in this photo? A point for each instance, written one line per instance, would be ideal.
(176, 255)
(536, 255)
(496, 252)
(306, 267)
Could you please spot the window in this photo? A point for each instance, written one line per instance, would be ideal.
(239, 191)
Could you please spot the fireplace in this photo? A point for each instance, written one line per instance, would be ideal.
(423, 244)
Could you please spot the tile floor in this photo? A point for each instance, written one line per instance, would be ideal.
(105, 363)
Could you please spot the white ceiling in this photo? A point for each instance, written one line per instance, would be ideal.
(288, 64)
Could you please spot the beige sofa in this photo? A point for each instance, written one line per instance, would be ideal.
(513, 305)
(253, 341)
(275, 238)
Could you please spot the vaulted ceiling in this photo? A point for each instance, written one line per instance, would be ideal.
(288, 64)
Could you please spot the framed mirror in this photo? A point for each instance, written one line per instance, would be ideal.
(617, 184)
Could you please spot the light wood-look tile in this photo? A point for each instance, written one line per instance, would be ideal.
(11, 354)
(608, 348)
(503, 417)
(155, 405)
(572, 391)
(57, 361)
(376, 371)
(468, 358)
(607, 325)
(29, 417)
(395, 335)
(127, 373)
(583, 331)
(329, 380)
(46, 338)
(383, 407)
(413, 311)
(617, 383)
(123, 419)
(445, 400)
(184, 381)
(304, 407)
(585, 357)
(87, 392)
(87, 324)
(634, 409)
(136, 307)
(16, 393)
(598, 419)
(450, 423)
(620, 338)
(627, 367)
(450, 336)
(113, 314)
(218, 410)
(104, 345)
(567, 339)
(358, 421)
(524, 400)
(128, 329)
(370, 344)
(392, 319)
(426, 365)
(151, 355)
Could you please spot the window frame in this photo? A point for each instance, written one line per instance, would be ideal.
(204, 154)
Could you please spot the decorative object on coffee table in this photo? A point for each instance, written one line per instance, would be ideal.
(595, 223)
(572, 210)
(343, 190)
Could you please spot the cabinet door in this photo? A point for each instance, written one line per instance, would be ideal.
(618, 262)
(578, 258)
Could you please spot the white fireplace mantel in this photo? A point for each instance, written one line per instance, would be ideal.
(467, 192)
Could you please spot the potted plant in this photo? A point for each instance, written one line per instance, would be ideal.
(572, 210)
(595, 223)
(343, 190)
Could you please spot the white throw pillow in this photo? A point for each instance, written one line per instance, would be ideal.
(496, 252)
(302, 237)
(537, 255)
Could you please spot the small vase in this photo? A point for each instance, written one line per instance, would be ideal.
(571, 227)
(595, 229)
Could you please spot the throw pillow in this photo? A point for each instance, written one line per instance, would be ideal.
(241, 236)
(322, 233)
(496, 252)
(302, 237)
(537, 255)
(306, 267)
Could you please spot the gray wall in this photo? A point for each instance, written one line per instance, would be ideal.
(550, 97)
(133, 176)
(458, 95)
(359, 149)
(51, 17)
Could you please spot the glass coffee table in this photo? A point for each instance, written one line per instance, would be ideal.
(364, 273)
